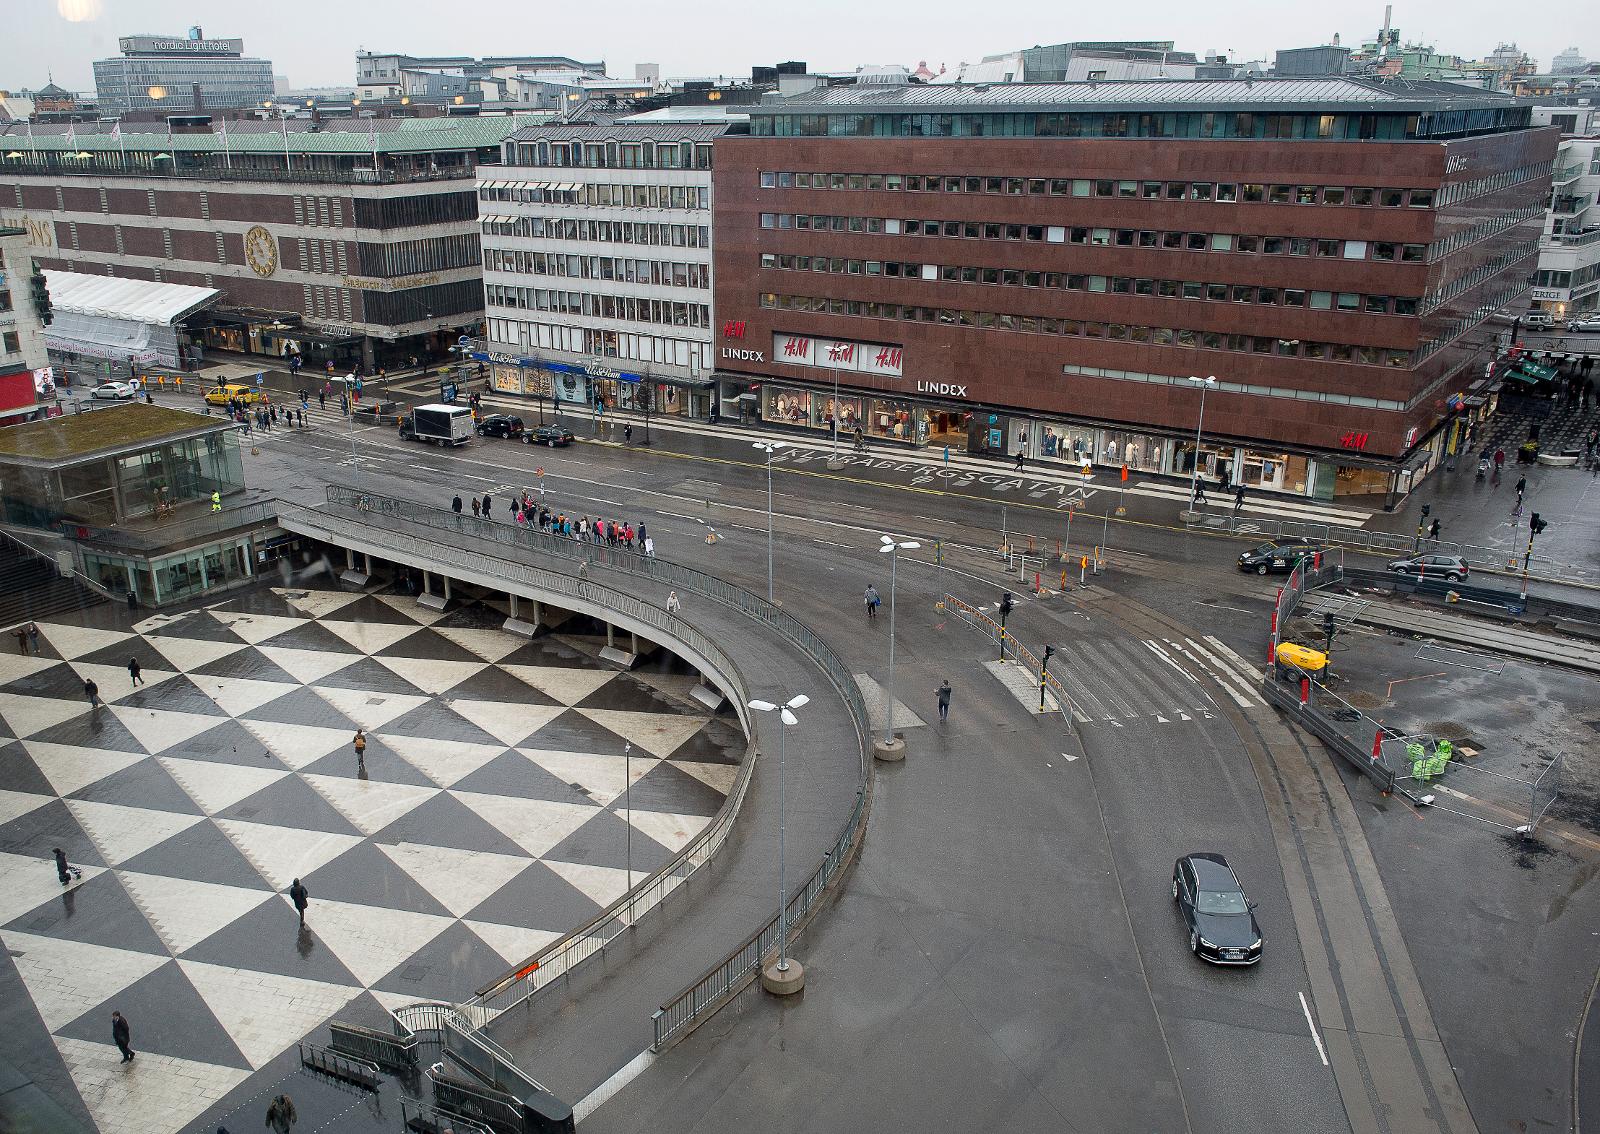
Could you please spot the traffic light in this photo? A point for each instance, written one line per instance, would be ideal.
(1327, 625)
(1426, 508)
(1536, 525)
(1049, 652)
(40, 291)
(1006, 603)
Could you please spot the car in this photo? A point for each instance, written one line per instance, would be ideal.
(1221, 920)
(1585, 325)
(113, 391)
(1451, 567)
(1277, 557)
(500, 425)
(551, 435)
(222, 395)
(1539, 320)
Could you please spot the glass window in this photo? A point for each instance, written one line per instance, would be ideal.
(1349, 301)
(1151, 189)
(1221, 242)
(1227, 192)
(1200, 191)
(1362, 196)
(769, 180)
(1421, 199)
(1280, 194)
(1392, 198)
(1333, 195)
(1321, 300)
(1294, 297)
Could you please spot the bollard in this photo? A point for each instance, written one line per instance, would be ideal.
(1036, 587)
(1377, 746)
(1305, 691)
(1030, 545)
(1063, 579)
(1083, 571)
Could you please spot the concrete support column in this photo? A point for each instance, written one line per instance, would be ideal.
(633, 643)
(349, 559)
(366, 562)
(611, 635)
(446, 588)
(538, 612)
(427, 582)
(367, 359)
(513, 599)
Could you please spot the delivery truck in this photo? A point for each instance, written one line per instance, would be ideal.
(437, 425)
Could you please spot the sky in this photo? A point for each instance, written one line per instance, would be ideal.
(313, 42)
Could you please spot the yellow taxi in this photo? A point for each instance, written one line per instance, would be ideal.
(222, 395)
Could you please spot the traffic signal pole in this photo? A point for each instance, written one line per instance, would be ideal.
(1535, 526)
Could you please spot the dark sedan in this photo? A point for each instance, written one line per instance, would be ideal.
(551, 435)
(1276, 558)
(500, 425)
(1221, 920)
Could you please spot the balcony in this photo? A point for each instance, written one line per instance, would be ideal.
(1568, 204)
(1568, 173)
(1573, 239)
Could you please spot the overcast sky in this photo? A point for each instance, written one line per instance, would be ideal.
(313, 42)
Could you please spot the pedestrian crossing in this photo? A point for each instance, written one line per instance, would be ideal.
(1115, 682)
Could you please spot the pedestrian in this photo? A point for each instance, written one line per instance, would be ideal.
(1222, 481)
(486, 503)
(455, 505)
(360, 742)
(477, 507)
(64, 869)
(1522, 486)
(870, 597)
(123, 1036)
(33, 637)
(1499, 459)
(673, 605)
(134, 671)
(301, 897)
(1199, 491)
(1020, 454)
(627, 434)
(300, 418)
(642, 534)
(944, 700)
(1433, 532)
(22, 640)
(281, 1115)
(649, 547)
(322, 399)
(1238, 499)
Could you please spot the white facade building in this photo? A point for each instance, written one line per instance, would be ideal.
(1568, 280)
(21, 335)
(597, 265)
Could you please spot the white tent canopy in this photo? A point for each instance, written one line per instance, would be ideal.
(136, 301)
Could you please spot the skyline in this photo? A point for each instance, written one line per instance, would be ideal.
(723, 41)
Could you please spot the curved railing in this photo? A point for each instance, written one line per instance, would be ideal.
(561, 956)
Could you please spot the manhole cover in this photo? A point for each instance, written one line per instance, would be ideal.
(414, 973)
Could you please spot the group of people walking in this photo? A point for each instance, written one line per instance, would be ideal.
(531, 513)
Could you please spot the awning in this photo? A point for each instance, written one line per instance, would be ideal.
(1539, 373)
(1519, 376)
(136, 301)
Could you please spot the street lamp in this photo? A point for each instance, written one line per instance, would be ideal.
(1194, 479)
(892, 548)
(769, 447)
(786, 717)
(627, 796)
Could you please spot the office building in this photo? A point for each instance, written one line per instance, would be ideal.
(597, 265)
(351, 242)
(190, 72)
(1044, 267)
(26, 387)
(1568, 280)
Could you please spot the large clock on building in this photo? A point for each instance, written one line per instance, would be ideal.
(260, 251)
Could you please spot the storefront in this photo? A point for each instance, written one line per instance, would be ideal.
(171, 578)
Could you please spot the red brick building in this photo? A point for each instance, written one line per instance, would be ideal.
(1045, 266)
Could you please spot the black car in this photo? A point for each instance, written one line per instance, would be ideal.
(1222, 926)
(551, 435)
(500, 425)
(1278, 557)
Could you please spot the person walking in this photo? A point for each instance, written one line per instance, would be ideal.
(1433, 532)
(92, 691)
(1021, 453)
(64, 869)
(944, 700)
(33, 637)
(870, 597)
(1499, 459)
(649, 547)
(322, 399)
(673, 605)
(360, 742)
(301, 897)
(281, 1114)
(627, 434)
(1522, 486)
(477, 506)
(1238, 499)
(134, 671)
(1199, 491)
(455, 505)
(123, 1036)
(486, 502)
(22, 640)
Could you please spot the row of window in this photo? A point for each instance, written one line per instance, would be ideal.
(1226, 192)
(1040, 325)
(597, 193)
(1473, 319)
(1547, 277)
(1106, 237)
(1489, 226)
(625, 307)
(601, 342)
(601, 231)
(1113, 285)
(611, 155)
(1293, 392)
(413, 257)
(1453, 286)
(664, 273)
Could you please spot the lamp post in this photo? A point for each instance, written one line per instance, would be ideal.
(892, 548)
(785, 978)
(769, 447)
(835, 461)
(1194, 479)
(627, 801)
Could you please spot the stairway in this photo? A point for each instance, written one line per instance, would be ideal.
(31, 587)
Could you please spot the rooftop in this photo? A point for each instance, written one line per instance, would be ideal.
(668, 131)
(139, 301)
(77, 436)
(1330, 93)
(347, 136)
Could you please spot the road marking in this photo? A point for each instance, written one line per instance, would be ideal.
(1223, 685)
(1221, 669)
(1067, 758)
(1312, 1024)
(1227, 654)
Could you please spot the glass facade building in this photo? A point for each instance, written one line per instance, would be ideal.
(156, 73)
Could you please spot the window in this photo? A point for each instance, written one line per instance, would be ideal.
(1357, 250)
(1254, 193)
(1227, 192)
(1333, 195)
(769, 180)
(1305, 195)
(1392, 198)
(1421, 199)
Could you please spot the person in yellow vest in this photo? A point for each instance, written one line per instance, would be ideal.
(216, 501)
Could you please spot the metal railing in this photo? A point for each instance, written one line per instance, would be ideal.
(1008, 643)
(174, 533)
(395, 1052)
(106, 165)
(708, 993)
(349, 1069)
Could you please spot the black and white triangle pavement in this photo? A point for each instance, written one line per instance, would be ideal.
(500, 780)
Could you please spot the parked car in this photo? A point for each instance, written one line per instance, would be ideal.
(551, 435)
(222, 395)
(500, 425)
(113, 391)
(1278, 557)
(1451, 567)
(1221, 920)
(1537, 320)
(1585, 325)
